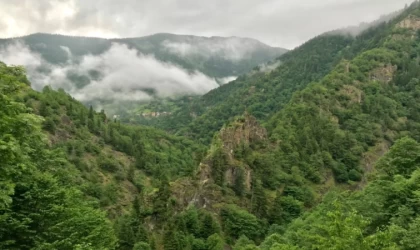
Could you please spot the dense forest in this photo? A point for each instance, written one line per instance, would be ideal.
(322, 152)
(161, 66)
(217, 63)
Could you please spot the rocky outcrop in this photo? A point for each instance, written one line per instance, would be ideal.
(352, 93)
(232, 173)
(223, 158)
(411, 22)
(383, 74)
(238, 135)
(244, 131)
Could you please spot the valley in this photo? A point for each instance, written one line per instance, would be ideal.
(313, 148)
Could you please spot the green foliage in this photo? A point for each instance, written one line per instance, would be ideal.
(243, 243)
(339, 230)
(239, 182)
(259, 205)
(409, 236)
(402, 159)
(141, 246)
(208, 225)
(217, 65)
(260, 93)
(291, 208)
(219, 166)
(331, 109)
(38, 208)
(215, 242)
(237, 222)
(382, 216)
(161, 201)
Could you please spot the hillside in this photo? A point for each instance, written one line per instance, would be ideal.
(264, 92)
(216, 57)
(108, 164)
(321, 152)
(161, 66)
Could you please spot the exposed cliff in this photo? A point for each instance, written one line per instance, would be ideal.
(230, 143)
(224, 174)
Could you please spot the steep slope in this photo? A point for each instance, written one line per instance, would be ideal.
(329, 135)
(99, 162)
(260, 93)
(335, 131)
(216, 57)
(362, 104)
(114, 159)
(341, 124)
(266, 90)
(41, 206)
(161, 66)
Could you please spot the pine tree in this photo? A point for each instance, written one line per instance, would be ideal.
(142, 246)
(259, 200)
(125, 232)
(91, 113)
(219, 167)
(275, 215)
(142, 235)
(160, 202)
(91, 120)
(137, 209)
(173, 240)
(215, 242)
(239, 182)
(209, 226)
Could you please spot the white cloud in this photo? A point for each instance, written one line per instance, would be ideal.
(125, 74)
(232, 48)
(228, 79)
(19, 54)
(67, 50)
(284, 23)
(266, 67)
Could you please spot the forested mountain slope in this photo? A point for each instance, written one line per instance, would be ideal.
(80, 162)
(316, 154)
(119, 75)
(345, 124)
(264, 93)
(216, 57)
(41, 206)
(331, 134)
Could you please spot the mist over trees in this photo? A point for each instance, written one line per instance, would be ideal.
(321, 151)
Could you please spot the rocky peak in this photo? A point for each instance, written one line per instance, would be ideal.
(223, 166)
(384, 73)
(411, 22)
(244, 131)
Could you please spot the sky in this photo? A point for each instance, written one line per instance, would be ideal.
(282, 23)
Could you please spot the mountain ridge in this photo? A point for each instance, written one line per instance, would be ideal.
(322, 152)
(137, 37)
(161, 65)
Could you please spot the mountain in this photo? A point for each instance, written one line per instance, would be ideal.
(319, 152)
(216, 57)
(264, 92)
(261, 92)
(134, 70)
(62, 162)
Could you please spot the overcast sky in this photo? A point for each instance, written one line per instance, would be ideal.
(283, 23)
